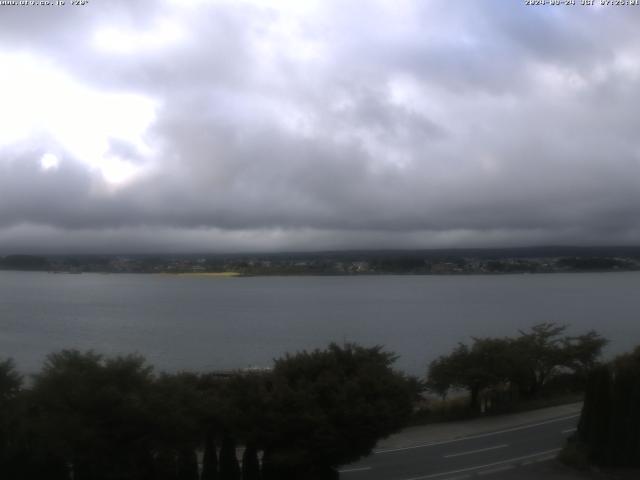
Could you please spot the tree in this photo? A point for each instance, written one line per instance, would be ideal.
(496, 368)
(229, 467)
(24, 262)
(91, 417)
(540, 353)
(166, 464)
(484, 365)
(10, 382)
(625, 422)
(330, 407)
(609, 427)
(583, 352)
(177, 404)
(243, 404)
(10, 388)
(187, 464)
(595, 420)
(441, 376)
(93, 413)
(210, 458)
(250, 463)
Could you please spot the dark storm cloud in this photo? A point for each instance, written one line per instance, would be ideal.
(344, 124)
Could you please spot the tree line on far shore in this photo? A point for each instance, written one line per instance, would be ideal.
(89, 417)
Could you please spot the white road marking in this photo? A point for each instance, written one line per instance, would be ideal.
(480, 467)
(544, 459)
(481, 435)
(496, 470)
(569, 430)
(475, 451)
(359, 469)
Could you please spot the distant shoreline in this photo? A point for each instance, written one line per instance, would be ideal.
(314, 274)
(203, 274)
(338, 263)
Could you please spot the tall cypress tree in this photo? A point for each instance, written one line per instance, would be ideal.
(187, 464)
(145, 465)
(610, 423)
(595, 421)
(268, 471)
(166, 467)
(250, 463)
(322, 473)
(210, 459)
(229, 467)
(624, 441)
(40, 466)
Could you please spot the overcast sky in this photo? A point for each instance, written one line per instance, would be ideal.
(173, 125)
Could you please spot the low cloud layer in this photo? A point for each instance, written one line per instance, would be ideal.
(269, 125)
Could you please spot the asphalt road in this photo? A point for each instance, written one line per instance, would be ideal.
(499, 453)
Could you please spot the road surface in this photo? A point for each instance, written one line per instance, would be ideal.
(473, 456)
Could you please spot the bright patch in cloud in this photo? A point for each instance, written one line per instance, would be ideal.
(130, 41)
(49, 162)
(39, 101)
(116, 171)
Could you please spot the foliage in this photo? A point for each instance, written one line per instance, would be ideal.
(93, 411)
(250, 463)
(10, 382)
(178, 405)
(507, 368)
(330, 407)
(229, 467)
(90, 417)
(24, 262)
(582, 352)
(594, 264)
(10, 387)
(609, 426)
(187, 464)
(209, 459)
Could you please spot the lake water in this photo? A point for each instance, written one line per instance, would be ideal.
(181, 322)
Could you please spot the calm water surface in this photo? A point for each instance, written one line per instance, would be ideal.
(219, 323)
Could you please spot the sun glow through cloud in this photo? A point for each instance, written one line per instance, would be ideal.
(39, 101)
(129, 41)
(365, 119)
(49, 162)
